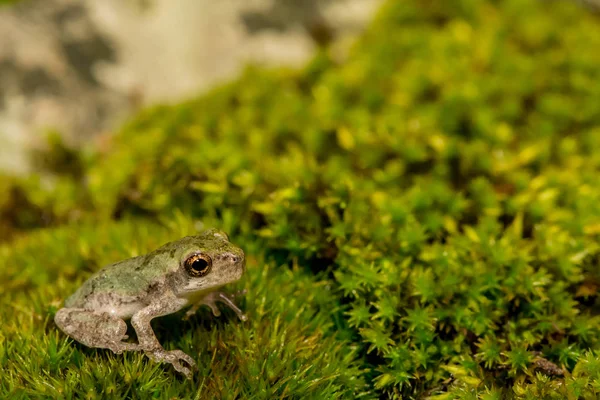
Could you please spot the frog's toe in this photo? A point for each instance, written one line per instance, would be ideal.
(175, 358)
(216, 312)
(181, 369)
(213, 306)
(180, 355)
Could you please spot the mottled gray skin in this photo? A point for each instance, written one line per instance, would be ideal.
(149, 286)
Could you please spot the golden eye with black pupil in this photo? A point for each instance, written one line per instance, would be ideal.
(198, 265)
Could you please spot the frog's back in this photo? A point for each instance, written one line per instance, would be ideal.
(126, 280)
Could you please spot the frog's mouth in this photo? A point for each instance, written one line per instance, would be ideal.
(242, 265)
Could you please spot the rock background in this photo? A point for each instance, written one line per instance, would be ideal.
(82, 67)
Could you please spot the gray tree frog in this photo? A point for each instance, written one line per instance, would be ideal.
(186, 272)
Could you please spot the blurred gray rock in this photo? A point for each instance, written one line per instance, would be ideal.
(82, 67)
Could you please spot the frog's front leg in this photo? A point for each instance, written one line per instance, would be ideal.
(211, 300)
(148, 342)
(94, 329)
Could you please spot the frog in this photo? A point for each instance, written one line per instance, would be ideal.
(186, 272)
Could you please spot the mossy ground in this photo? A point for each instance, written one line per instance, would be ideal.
(288, 346)
(421, 220)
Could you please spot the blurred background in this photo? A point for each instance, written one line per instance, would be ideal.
(418, 179)
(80, 68)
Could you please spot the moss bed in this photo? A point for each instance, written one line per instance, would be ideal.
(421, 220)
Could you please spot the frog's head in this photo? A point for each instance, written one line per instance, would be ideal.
(207, 262)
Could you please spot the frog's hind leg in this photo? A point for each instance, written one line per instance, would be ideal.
(94, 329)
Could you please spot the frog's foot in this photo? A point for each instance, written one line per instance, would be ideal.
(221, 297)
(211, 301)
(94, 329)
(174, 357)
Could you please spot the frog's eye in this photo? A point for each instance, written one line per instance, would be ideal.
(198, 265)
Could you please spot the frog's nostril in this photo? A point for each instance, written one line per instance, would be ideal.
(239, 259)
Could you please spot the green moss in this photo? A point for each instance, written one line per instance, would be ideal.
(289, 346)
(422, 219)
